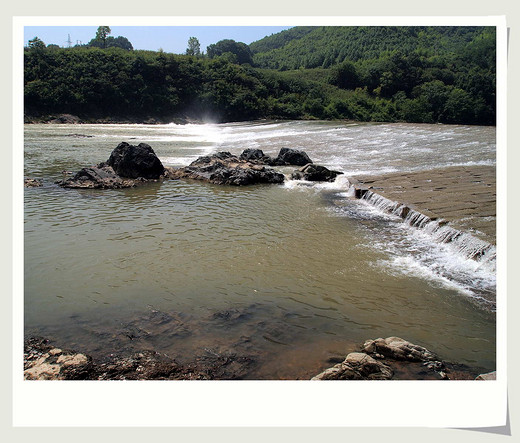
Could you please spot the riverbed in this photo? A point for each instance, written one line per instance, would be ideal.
(279, 273)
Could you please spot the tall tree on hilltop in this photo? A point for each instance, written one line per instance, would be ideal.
(102, 34)
(36, 43)
(193, 47)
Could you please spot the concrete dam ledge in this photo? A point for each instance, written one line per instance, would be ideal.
(455, 205)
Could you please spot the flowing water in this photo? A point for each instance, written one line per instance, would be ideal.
(284, 273)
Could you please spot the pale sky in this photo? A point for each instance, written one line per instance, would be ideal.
(169, 38)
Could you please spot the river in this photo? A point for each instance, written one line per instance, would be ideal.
(274, 271)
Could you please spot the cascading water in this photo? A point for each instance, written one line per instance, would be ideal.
(465, 244)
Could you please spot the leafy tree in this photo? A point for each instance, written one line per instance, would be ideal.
(102, 34)
(344, 76)
(435, 94)
(239, 49)
(111, 42)
(459, 108)
(193, 47)
(36, 43)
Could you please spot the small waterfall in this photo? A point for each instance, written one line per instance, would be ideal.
(466, 244)
(385, 204)
(416, 219)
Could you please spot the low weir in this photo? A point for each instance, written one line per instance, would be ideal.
(466, 244)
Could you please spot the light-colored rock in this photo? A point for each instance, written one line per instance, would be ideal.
(41, 369)
(487, 376)
(357, 366)
(399, 349)
(56, 364)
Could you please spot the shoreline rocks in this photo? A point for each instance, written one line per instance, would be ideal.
(402, 360)
(398, 349)
(357, 366)
(43, 361)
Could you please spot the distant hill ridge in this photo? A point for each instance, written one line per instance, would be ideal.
(326, 46)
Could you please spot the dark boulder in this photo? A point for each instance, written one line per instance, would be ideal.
(131, 161)
(96, 177)
(288, 156)
(224, 168)
(315, 173)
(256, 156)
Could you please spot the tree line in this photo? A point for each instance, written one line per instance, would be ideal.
(433, 75)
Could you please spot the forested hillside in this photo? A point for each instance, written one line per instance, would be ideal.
(414, 74)
(326, 46)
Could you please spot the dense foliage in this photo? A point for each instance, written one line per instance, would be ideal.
(237, 52)
(439, 74)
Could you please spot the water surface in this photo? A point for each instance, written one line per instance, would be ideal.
(279, 272)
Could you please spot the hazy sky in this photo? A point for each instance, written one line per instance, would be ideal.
(169, 38)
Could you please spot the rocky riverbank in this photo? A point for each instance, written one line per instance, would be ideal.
(379, 359)
(69, 119)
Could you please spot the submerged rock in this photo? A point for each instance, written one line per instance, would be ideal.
(357, 366)
(399, 349)
(31, 183)
(223, 168)
(312, 172)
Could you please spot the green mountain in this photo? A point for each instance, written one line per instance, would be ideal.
(325, 46)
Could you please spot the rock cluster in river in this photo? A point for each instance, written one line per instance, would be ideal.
(130, 165)
(127, 166)
(223, 168)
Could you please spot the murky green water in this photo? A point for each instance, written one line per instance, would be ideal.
(271, 271)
